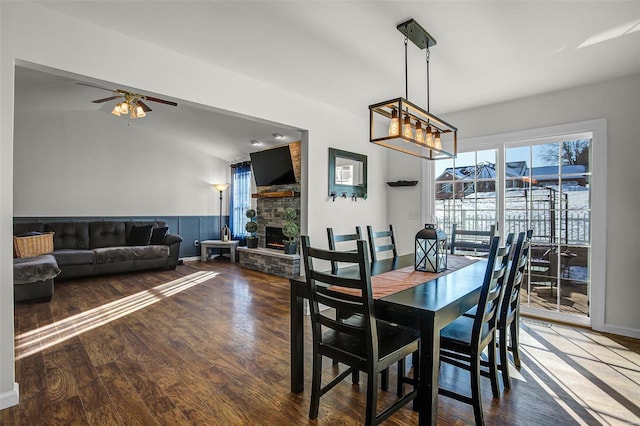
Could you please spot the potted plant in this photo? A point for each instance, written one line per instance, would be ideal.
(290, 230)
(251, 227)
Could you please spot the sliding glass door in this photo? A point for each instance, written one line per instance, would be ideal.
(542, 185)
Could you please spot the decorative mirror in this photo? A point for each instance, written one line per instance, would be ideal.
(347, 174)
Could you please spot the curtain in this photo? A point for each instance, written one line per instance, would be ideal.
(240, 199)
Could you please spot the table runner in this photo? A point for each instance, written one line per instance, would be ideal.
(401, 279)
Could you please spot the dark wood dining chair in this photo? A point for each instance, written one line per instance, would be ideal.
(509, 318)
(463, 340)
(344, 238)
(388, 245)
(361, 342)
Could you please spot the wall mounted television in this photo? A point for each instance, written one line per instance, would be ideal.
(273, 167)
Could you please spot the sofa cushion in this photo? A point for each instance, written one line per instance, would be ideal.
(107, 234)
(34, 269)
(158, 234)
(67, 257)
(118, 254)
(69, 235)
(139, 235)
(130, 224)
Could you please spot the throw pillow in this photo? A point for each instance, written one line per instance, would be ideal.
(158, 234)
(140, 235)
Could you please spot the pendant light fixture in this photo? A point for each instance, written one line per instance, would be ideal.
(403, 126)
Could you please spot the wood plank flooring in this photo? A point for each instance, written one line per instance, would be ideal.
(208, 344)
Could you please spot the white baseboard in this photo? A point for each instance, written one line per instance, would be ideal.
(190, 259)
(623, 331)
(11, 398)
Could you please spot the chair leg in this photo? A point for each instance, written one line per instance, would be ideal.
(400, 381)
(372, 398)
(493, 369)
(476, 395)
(415, 363)
(355, 377)
(515, 344)
(316, 382)
(384, 379)
(504, 357)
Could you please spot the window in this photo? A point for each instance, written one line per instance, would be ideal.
(240, 200)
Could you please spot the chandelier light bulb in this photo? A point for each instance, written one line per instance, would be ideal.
(429, 140)
(407, 132)
(419, 133)
(124, 108)
(438, 142)
(394, 126)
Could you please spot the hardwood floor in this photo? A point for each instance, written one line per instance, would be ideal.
(208, 344)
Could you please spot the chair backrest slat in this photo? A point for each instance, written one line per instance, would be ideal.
(334, 280)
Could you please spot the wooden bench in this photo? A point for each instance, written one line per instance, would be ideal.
(471, 240)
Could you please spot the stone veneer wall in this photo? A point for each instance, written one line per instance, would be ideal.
(270, 261)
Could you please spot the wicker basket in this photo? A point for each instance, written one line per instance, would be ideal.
(33, 245)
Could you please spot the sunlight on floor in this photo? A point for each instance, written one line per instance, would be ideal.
(568, 364)
(59, 331)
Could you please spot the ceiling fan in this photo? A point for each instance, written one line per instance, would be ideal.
(132, 102)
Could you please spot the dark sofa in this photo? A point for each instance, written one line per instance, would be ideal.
(94, 248)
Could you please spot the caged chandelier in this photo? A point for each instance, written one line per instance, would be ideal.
(403, 126)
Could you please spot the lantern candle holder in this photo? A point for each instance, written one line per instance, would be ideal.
(431, 249)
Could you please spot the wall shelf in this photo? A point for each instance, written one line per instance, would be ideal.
(276, 194)
(403, 183)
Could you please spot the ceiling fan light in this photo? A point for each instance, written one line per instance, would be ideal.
(140, 112)
(116, 110)
(124, 108)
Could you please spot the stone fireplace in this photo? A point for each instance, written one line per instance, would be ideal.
(271, 201)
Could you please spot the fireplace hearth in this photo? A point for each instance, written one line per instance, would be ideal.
(274, 238)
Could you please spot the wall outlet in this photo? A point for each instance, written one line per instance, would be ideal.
(196, 243)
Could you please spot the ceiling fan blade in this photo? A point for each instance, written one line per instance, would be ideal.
(162, 101)
(99, 101)
(144, 106)
(94, 86)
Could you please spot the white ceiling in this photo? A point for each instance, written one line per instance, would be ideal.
(350, 54)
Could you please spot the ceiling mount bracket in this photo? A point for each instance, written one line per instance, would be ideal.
(418, 35)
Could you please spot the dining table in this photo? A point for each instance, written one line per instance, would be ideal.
(422, 300)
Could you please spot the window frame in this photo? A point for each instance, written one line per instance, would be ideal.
(598, 132)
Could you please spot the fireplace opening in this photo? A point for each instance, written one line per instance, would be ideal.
(274, 238)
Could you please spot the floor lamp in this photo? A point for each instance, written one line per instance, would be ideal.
(221, 187)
